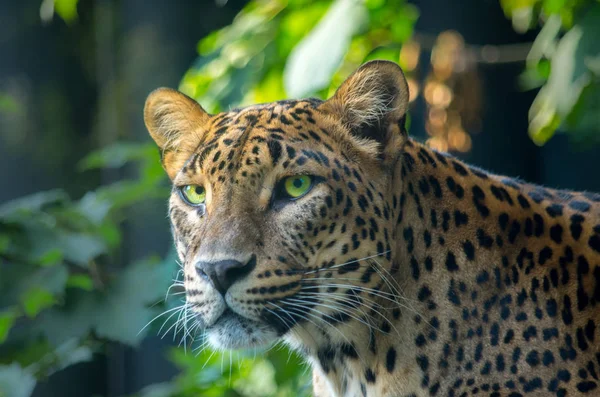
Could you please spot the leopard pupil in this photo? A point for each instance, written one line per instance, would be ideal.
(298, 183)
(198, 190)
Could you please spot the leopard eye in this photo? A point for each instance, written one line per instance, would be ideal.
(297, 186)
(193, 194)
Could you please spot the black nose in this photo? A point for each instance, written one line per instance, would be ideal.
(222, 274)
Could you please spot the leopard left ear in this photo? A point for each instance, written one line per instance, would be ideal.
(372, 103)
(176, 123)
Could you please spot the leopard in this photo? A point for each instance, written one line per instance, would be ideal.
(393, 269)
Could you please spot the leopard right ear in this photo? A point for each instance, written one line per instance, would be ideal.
(176, 123)
(372, 104)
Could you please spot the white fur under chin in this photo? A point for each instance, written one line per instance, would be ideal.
(232, 332)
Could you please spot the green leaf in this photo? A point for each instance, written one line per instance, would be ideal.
(584, 119)
(77, 247)
(66, 9)
(81, 281)
(95, 206)
(119, 154)
(15, 381)
(111, 234)
(69, 353)
(81, 248)
(312, 63)
(122, 194)
(553, 6)
(390, 54)
(7, 320)
(51, 258)
(18, 281)
(260, 381)
(543, 68)
(34, 202)
(545, 42)
(120, 312)
(521, 18)
(568, 77)
(4, 243)
(35, 300)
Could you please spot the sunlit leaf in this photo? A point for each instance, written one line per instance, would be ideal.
(7, 319)
(544, 43)
(35, 300)
(66, 9)
(82, 281)
(390, 54)
(315, 59)
(553, 6)
(568, 77)
(259, 382)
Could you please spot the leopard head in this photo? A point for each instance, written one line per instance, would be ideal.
(282, 213)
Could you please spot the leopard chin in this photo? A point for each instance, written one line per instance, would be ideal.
(233, 332)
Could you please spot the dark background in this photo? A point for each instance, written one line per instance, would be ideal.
(83, 87)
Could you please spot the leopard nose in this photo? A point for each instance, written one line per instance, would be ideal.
(224, 273)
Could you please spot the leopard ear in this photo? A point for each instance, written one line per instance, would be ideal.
(372, 102)
(175, 122)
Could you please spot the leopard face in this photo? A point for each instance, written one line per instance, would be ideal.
(260, 264)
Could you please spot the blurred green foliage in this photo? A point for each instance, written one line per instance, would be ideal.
(276, 373)
(279, 49)
(565, 62)
(63, 289)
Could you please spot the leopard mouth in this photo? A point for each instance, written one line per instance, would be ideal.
(233, 331)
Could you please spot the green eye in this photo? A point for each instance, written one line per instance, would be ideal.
(193, 194)
(297, 186)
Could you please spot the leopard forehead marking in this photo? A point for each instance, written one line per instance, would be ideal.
(404, 272)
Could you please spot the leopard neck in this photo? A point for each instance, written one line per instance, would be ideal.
(468, 246)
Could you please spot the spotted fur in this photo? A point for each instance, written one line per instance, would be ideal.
(403, 272)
